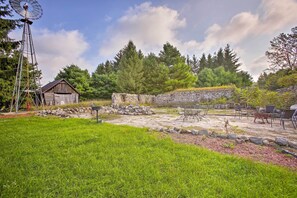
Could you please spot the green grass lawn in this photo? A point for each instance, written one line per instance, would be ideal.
(51, 157)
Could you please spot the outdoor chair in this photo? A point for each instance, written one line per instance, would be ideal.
(237, 110)
(289, 115)
(270, 109)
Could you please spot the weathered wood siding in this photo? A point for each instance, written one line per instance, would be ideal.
(61, 94)
(61, 99)
(62, 87)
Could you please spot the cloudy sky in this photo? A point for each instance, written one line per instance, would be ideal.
(87, 33)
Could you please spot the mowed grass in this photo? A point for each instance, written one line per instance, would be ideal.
(51, 157)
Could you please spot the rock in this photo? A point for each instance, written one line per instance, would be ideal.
(183, 131)
(222, 136)
(281, 141)
(232, 136)
(195, 132)
(239, 141)
(256, 140)
(269, 139)
(203, 132)
(266, 142)
(289, 152)
(244, 138)
(292, 144)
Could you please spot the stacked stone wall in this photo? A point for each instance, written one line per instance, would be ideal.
(170, 99)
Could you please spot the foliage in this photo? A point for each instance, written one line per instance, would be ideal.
(287, 81)
(170, 55)
(222, 69)
(272, 81)
(7, 45)
(283, 51)
(219, 76)
(103, 85)
(206, 78)
(77, 77)
(130, 74)
(256, 97)
(193, 63)
(180, 76)
(79, 158)
(8, 55)
(205, 88)
(155, 75)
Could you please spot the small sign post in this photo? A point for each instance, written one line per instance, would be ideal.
(97, 108)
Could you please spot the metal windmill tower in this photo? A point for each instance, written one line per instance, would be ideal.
(27, 87)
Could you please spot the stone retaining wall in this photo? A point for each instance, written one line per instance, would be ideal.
(175, 98)
(135, 99)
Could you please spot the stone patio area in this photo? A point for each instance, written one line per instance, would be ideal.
(244, 125)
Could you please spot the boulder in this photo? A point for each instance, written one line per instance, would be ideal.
(281, 141)
(232, 136)
(256, 140)
(203, 132)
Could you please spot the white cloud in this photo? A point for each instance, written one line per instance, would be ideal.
(149, 27)
(257, 66)
(274, 15)
(56, 50)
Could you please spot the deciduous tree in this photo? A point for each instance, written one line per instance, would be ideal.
(282, 53)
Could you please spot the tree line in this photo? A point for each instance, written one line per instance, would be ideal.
(133, 72)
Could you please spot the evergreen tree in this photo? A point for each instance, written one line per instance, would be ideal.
(130, 74)
(193, 63)
(202, 63)
(261, 80)
(170, 55)
(155, 75)
(245, 79)
(209, 62)
(231, 61)
(105, 68)
(8, 55)
(180, 76)
(219, 60)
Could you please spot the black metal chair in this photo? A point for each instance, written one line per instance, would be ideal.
(237, 110)
(271, 110)
(289, 115)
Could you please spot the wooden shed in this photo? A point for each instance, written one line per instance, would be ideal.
(59, 92)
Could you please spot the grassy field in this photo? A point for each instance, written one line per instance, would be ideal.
(51, 157)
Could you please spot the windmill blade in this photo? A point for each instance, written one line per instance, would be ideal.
(32, 10)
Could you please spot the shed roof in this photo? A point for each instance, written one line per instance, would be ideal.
(50, 85)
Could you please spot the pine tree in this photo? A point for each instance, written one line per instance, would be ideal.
(219, 60)
(180, 76)
(170, 55)
(209, 62)
(231, 61)
(130, 74)
(155, 75)
(202, 63)
(8, 55)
